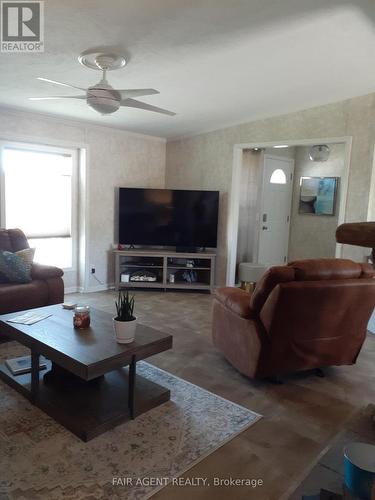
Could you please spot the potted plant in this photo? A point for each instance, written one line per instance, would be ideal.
(125, 321)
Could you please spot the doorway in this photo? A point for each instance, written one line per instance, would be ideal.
(265, 225)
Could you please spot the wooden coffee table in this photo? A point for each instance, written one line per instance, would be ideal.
(85, 387)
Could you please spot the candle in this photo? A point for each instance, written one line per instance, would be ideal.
(81, 318)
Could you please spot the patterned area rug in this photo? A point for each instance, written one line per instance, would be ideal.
(39, 459)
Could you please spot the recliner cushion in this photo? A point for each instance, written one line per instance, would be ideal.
(12, 240)
(235, 299)
(5, 241)
(274, 276)
(368, 271)
(325, 269)
(43, 272)
(18, 297)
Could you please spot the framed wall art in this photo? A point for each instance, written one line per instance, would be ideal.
(318, 195)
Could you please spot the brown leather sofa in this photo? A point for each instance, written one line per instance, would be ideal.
(46, 287)
(309, 314)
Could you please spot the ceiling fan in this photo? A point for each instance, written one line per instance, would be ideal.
(102, 97)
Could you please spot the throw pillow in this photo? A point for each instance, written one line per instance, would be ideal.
(14, 267)
(3, 278)
(28, 256)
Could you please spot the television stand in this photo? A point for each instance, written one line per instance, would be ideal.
(186, 249)
(164, 269)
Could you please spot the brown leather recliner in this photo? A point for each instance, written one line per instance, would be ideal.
(46, 287)
(309, 314)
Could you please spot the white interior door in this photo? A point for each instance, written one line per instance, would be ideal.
(275, 206)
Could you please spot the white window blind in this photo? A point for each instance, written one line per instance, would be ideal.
(38, 192)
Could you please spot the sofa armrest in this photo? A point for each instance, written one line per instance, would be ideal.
(236, 300)
(42, 272)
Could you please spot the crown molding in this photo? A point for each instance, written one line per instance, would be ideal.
(75, 122)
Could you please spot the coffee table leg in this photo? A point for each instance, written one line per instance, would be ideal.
(132, 375)
(34, 375)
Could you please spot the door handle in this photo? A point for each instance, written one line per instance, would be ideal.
(264, 228)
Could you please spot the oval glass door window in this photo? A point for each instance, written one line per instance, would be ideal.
(278, 177)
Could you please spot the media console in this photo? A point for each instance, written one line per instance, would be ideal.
(164, 269)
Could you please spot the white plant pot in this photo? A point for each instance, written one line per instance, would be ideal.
(124, 330)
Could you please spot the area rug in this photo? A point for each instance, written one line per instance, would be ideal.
(41, 460)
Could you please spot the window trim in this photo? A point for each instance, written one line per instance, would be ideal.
(38, 147)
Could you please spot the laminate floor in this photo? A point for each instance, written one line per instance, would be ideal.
(301, 417)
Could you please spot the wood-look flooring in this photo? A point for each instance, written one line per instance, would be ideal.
(301, 417)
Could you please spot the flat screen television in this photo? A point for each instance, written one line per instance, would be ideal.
(184, 219)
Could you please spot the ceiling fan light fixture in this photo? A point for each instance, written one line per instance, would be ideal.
(102, 105)
(102, 97)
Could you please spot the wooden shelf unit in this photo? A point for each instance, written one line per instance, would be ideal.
(165, 263)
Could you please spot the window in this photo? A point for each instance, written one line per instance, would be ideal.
(39, 199)
(278, 177)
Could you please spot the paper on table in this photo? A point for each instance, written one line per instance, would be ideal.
(28, 318)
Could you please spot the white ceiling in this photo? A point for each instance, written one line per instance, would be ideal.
(215, 62)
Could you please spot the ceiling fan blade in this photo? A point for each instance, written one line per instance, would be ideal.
(57, 97)
(59, 83)
(126, 93)
(133, 103)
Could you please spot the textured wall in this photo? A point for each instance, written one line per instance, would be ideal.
(115, 158)
(313, 236)
(281, 152)
(205, 161)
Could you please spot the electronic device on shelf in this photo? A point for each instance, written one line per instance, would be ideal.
(141, 264)
(183, 219)
(143, 275)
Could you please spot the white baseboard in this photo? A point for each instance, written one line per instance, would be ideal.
(90, 289)
(98, 288)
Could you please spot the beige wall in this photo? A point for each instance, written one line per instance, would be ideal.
(313, 236)
(205, 161)
(201, 162)
(281, 152)
(115, 158)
